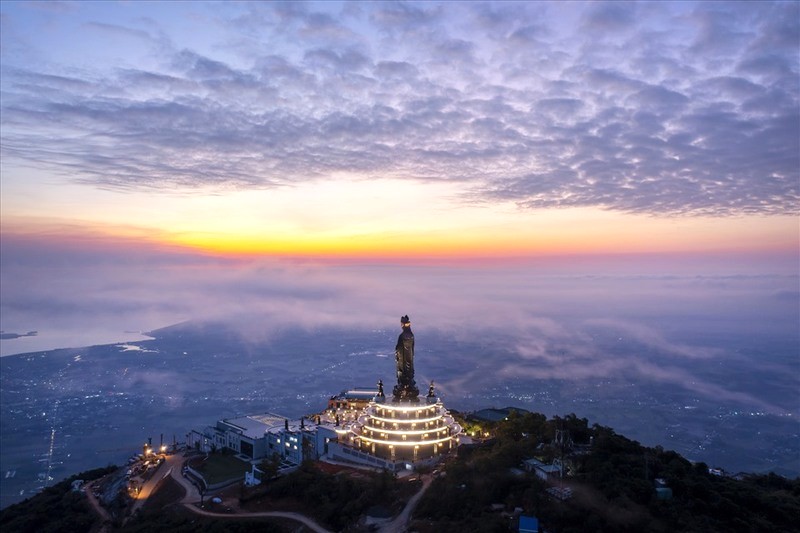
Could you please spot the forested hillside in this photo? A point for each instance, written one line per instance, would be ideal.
(612, 481)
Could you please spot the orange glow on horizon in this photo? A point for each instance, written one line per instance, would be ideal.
(547, 234)
(347, 217)
(550, 234)
(410, 247)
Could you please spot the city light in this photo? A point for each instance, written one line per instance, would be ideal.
(404, 443)
(405, 431)
(407, 408)
(400, 420)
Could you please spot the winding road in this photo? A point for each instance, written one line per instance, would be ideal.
(192, 497)
(400, 522)
(99, 509)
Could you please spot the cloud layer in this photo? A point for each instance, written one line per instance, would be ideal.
(524, 322)
(660, 108)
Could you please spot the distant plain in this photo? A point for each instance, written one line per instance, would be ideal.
(72, 409)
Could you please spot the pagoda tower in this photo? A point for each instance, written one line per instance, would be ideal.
(404, 427)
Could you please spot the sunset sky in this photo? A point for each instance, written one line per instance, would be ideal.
(400, 133)
(457, 129)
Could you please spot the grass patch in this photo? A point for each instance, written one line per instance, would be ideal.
(220, 467)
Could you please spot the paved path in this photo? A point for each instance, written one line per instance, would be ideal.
(169, 464)
(263, 514)
(400, 523)
(99, 509)
(192, 497)
(192, 494)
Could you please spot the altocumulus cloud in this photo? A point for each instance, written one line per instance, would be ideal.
(661, 108)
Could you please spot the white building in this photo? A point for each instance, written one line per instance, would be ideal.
(262, 436)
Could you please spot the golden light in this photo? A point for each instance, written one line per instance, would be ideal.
(400, 431)
(404, 443)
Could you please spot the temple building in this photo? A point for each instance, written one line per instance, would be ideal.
(403, 427)
(410, 432)
(352, 399)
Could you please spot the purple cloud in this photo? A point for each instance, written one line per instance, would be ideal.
(692, 109)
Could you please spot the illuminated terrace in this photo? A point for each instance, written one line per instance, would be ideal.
(408, 431)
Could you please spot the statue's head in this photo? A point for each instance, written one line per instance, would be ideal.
(405, 321)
